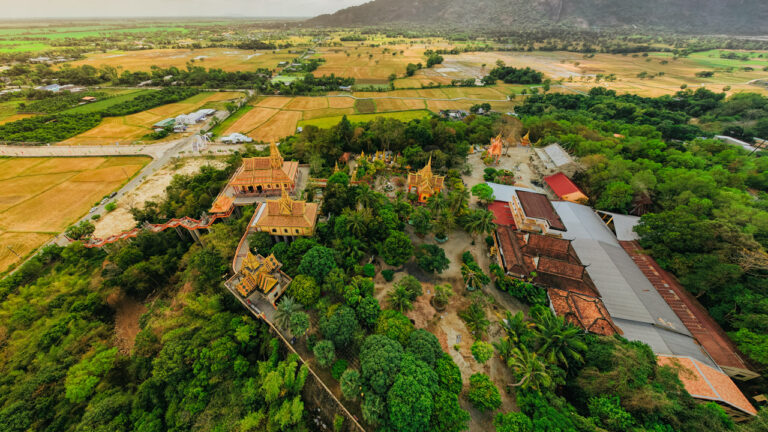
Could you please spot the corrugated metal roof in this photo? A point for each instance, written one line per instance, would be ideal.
(506, 192)
(624, 225)
(635, 305)
(558, 156)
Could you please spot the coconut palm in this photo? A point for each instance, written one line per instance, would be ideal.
(358, 221)
(529, 368)
(400, 299)
(471, 277)
(287, 307)
(366, 196)
(475, 319)
(480, 221)
(559, 343)
(515, 326)
(458, 199)
(437, 203)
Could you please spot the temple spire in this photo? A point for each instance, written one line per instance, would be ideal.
(526, 140)
(275, 158)
(286, 203)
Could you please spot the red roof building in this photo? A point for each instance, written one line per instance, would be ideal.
(583, 311)
(708, 384)
(565, 189)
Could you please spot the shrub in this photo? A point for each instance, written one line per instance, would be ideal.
(482, 351)
(110, 206)
(350, 384)
(369, 270)
(338, 368)
(431, 258)
(388, 275)
(483, 394)
(325, 353)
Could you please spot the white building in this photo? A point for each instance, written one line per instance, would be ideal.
(236, 138)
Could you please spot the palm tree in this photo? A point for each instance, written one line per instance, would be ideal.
(471, 278)
(366, 196)
(515, 326)
(358, 220)
(560, 343)
(474, 318)
(400, 299)
(458, 199)
(287, 307)
(437, 203)
(529, 368)
(480, 221)
(444, 222)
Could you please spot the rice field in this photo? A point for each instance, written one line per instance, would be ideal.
(361, 118)
(40, 197)
(130, 128)
(228, 59)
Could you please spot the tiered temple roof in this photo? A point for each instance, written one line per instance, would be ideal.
(272, 169)
(262, 274)
(497, 144)
(288, 213)
(425, 181)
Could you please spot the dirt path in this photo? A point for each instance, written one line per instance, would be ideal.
(127, 314)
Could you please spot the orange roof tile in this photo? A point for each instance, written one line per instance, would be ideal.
(704, 382)
(288, 213)
(582, 310)
(222, 204)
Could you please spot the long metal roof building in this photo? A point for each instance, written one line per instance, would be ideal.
(633, 302)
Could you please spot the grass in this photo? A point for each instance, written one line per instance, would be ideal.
(328, 122)
(229, 121)
(106, 103)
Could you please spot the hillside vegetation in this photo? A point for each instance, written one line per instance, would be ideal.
(698, 16)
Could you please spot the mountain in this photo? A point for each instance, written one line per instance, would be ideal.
(699, 16)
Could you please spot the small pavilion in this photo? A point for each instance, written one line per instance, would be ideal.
(424, 183)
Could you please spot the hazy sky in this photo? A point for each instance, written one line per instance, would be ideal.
(165, 8)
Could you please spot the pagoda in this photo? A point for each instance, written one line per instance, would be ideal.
(265, 175)
(262, 275)
(286, 217)
(424, 183)
(494, 151)
(526, 140)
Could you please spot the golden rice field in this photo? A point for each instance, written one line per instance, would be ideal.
(40, 197)
(275, 117)
(228, 59)
(130, 128)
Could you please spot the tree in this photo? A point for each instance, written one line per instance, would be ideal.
(482, 393)
(483, 192)
(285, 310)
(318, 262)
(380, 359)
(83, 377)
(529, 369)
(431, 258)
(560, 343)
(482, 351)
(443, 294)
(397, 248)
(340, 327)
(424, 346)
(607, 411)
(617, 196)
(411, 285)
(79, 231)
(299, 324)
(410, 400)
(399, 299)
(480, 221)
(394, 325)
(305, 290)
(368, 311)
(350, 384)
(325, 353)
(512, 422)
(261, 242)
(421, 220)
(475, 319)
